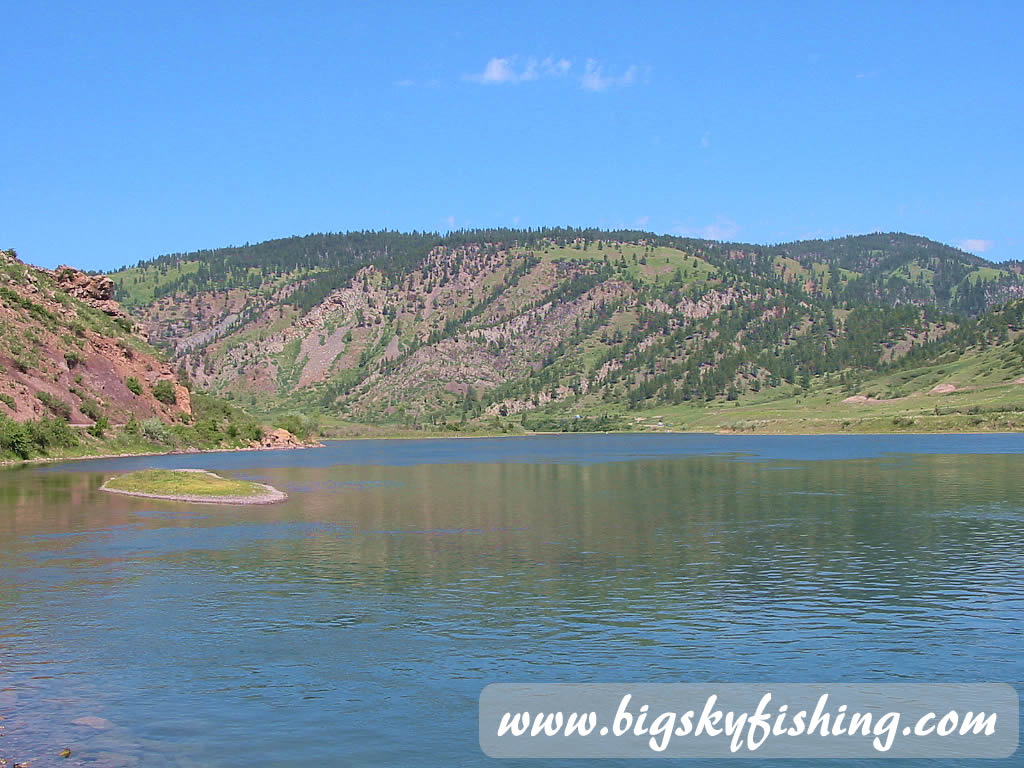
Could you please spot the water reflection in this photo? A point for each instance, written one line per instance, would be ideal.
(362, 616)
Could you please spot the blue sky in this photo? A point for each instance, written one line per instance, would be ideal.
(135, 129)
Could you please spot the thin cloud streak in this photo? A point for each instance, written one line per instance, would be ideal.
(514, 70)
(594, 78)
(509, 71)
(976, 245)
(723, 229)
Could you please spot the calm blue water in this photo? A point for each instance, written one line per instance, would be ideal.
(356, 623)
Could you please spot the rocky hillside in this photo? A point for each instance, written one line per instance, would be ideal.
(67, 349)
(499, 324)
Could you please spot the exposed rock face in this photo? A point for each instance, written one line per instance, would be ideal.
(95, 290)
(55, 349)
(184, 397)
(859, 399)
(278, 438)
(83, 286)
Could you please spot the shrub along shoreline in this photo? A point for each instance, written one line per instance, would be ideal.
(214, 426)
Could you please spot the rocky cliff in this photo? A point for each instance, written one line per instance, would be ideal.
(67, 349)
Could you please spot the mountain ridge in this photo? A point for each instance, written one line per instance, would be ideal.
(423, 329)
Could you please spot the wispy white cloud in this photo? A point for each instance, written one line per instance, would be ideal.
(723, 228)
(705, 140)
(512, 70)
(595, 79)
(496, 72)
(976, 245)
(642, 222)
(411, 83)
(449, 222)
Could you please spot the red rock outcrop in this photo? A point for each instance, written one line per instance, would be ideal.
(95, 290)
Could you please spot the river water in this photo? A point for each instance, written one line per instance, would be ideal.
(356, 623)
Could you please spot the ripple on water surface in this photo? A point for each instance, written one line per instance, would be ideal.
(356, 622)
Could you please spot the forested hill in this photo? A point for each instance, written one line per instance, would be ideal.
(897, 268)
(423, 328)
(887, 268)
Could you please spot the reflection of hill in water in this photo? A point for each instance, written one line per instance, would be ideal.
(382, 599)
(754, 524)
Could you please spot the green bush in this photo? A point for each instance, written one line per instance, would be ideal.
(155, 430)
(8, 401)
(250, 432)
(14, 438)
(206, 431)
(213, 423)
(133, 385)
(299, 424)
(73, 357)
(25, 440)
(100, 427)
(51, 433)
(164, 392)
(55, 404)
(91, 409)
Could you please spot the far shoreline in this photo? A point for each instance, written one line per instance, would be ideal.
(197, 452)
(716, 433)
(14, 463)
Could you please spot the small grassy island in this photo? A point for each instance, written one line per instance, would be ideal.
(195, 485)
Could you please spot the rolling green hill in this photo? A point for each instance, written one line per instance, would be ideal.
(567, 328)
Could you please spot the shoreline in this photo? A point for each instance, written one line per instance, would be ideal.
(270, 495)
(716, 432)
(198, 451)
(7, 463)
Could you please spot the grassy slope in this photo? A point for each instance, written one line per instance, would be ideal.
(659, 263)
(987, 398)
(140, 283)
(216, 425)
